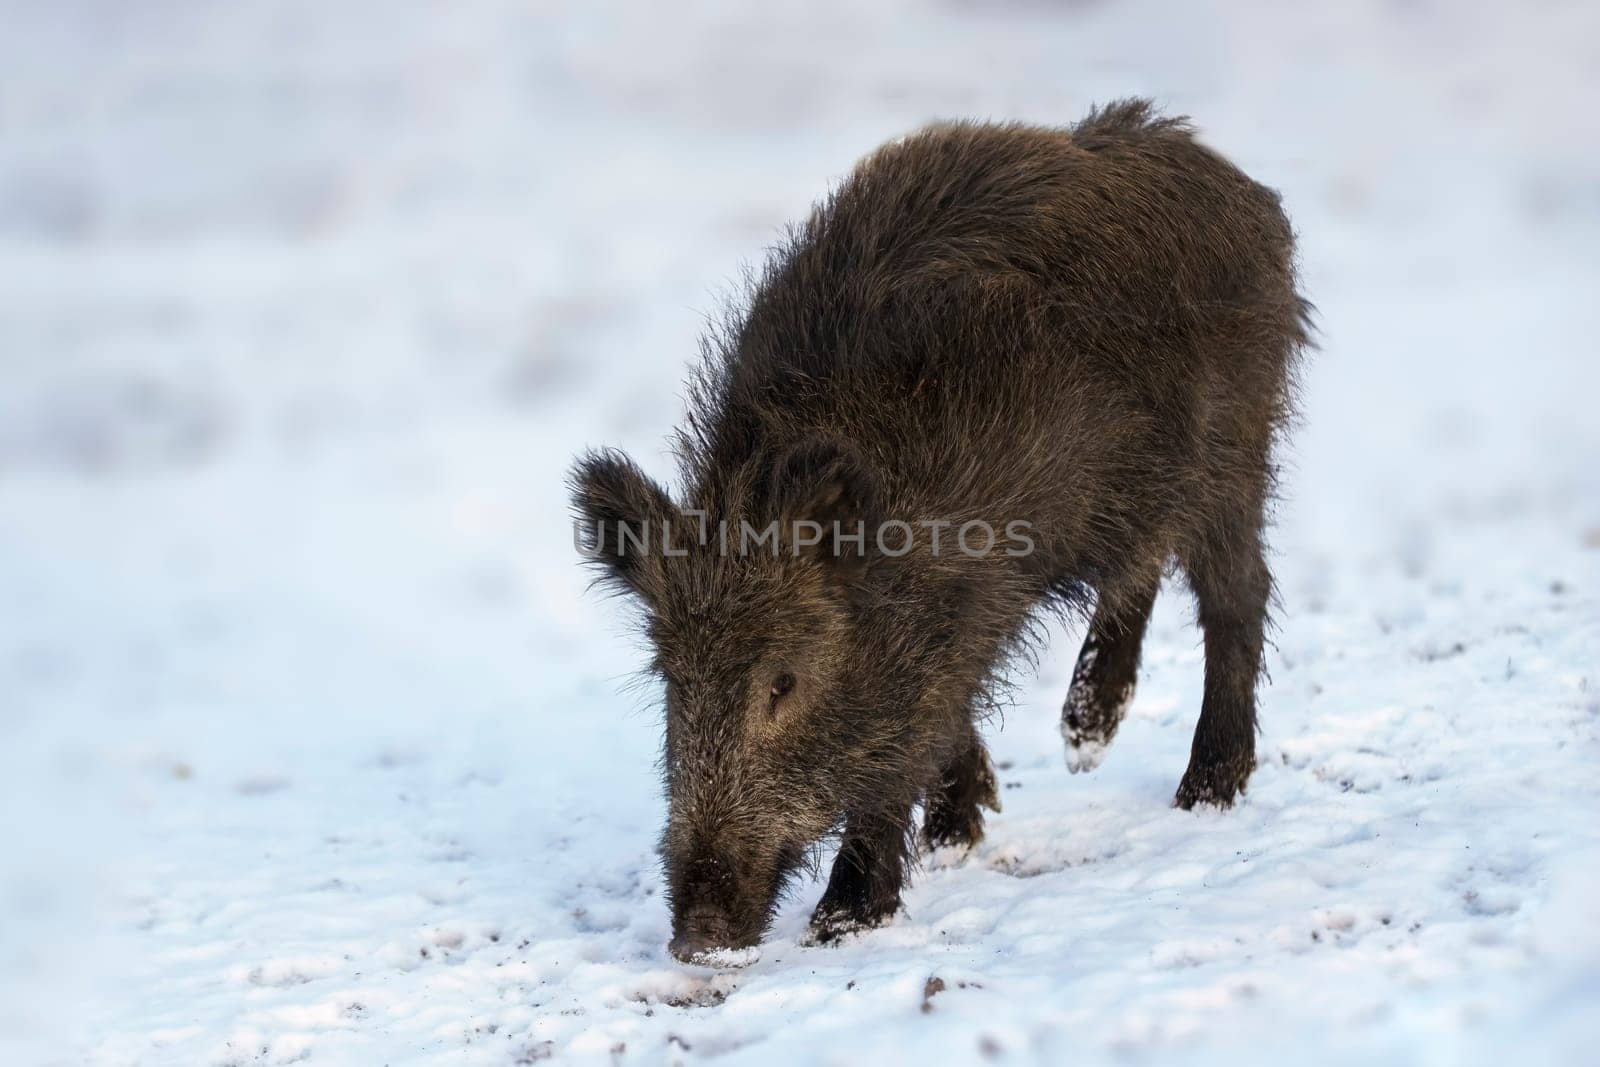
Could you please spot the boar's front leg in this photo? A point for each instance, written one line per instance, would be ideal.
(864, 888)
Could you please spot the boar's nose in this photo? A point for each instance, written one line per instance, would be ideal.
(701, 934)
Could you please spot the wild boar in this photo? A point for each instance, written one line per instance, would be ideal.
(1000, 371)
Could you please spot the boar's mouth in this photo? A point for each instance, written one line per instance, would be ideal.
(719, 910)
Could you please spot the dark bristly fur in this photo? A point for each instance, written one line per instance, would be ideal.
(1092, 330)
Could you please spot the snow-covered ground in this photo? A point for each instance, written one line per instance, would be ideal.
(313, 746)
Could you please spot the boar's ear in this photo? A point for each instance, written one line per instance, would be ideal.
(826, 481)
(621, 517)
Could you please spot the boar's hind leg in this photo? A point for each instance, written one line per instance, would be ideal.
(864, 888)
(966, 785)
(1103, 680)
(1232, 586)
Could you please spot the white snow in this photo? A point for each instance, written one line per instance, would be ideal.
(314, 748)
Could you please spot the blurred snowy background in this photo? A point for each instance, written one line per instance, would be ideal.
(312, 745)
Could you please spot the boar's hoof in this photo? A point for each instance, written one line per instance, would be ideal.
(1089, 721)
(951, 825)
(832, 926)
(1084, 753)
(954, 812)
(1213, 785)
(956, 824)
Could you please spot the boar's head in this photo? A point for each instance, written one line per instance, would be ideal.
(762, 647)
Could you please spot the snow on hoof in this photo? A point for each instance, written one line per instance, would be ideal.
(1090, 718)
(1083, 754)
(836, 927)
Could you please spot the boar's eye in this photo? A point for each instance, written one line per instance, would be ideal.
(781, 687)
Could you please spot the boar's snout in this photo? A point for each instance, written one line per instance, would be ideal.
(700, 935)
(716, 905)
